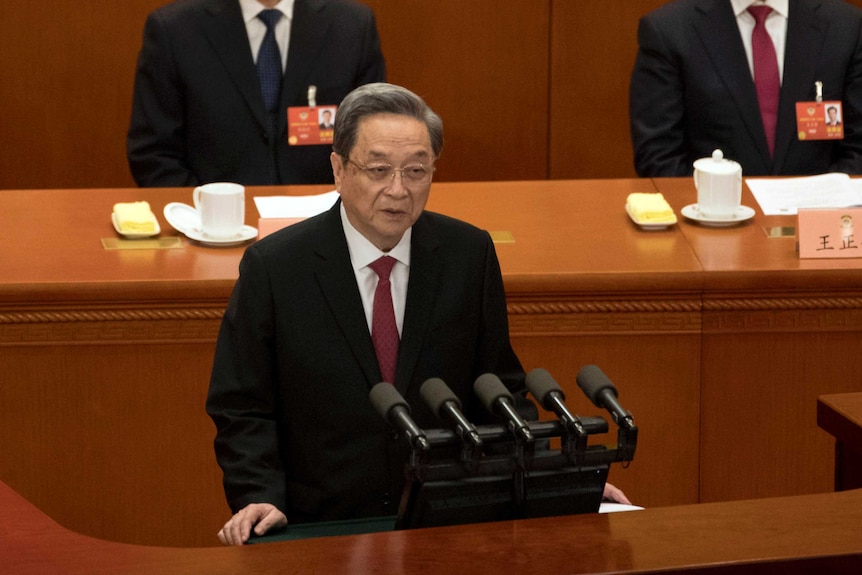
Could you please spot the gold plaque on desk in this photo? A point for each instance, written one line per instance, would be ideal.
(780, 232)
(504, 237)
(144, 244)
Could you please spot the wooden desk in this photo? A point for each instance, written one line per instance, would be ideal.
(840, 414)
(789, 535)
(778, 331)
(105, 354)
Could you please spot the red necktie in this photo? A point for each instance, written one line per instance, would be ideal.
(384, 331)
(766, 78)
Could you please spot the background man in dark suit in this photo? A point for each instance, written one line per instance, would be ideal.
(692, 88)
(198, 113)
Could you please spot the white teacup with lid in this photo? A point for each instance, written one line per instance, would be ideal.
(719, 186)
(221, 208)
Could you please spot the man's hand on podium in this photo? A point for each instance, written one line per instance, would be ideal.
(614, 494)
(260, 516)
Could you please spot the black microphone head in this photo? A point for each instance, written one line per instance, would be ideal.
(541, 383)
(435, 393)
(384, 397)
(488, 388)
(592, 381)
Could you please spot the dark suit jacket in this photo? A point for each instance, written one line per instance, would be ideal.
(295, 362)
(692, 90)
(198, 114)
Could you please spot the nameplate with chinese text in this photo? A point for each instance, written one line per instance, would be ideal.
(829, 232)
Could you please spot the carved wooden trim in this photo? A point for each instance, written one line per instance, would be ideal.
(109, 333)
(109, 315)
(94, 327)
(655, 306)
(783, 315)
(525, 318)
(574, 318)
(761, 304)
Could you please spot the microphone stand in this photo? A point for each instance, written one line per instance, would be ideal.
(507, 469)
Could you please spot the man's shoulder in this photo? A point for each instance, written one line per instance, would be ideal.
(447, 227)
(307, 233)
(189, 8)
(834, 8)
(348, 7)
(677, 10)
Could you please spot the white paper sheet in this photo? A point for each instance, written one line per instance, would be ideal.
(783, 196)
(294, 206)
(617, 507)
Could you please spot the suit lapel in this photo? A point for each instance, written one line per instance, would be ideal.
(719, 32)
(806, 33)
(422, 290)
(338, 283)
(225, 30)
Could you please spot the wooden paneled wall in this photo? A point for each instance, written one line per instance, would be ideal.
(528, 89)
(532, 89)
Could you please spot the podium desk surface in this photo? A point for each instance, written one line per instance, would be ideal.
(793, 535)
(562, 235)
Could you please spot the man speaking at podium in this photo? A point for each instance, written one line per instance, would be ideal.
(304, 337)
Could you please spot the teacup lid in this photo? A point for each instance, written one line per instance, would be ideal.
(717, 164)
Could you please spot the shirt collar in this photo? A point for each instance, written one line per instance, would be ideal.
(363, 252)
(251, 8)
(780, 6)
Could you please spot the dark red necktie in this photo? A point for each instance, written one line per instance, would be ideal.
(766, 78)
(384, 331)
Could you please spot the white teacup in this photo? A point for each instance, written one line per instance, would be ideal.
(719, 186)
(221, 207)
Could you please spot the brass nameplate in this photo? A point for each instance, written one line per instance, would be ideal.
(780, 232)
(502, 237)
(142, 244)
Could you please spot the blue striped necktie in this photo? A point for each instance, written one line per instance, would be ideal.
(269, 61)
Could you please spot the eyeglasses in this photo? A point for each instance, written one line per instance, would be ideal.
(415, 173)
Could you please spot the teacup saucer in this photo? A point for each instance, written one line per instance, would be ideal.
(185, 220)
(743, 213)
(245, 234)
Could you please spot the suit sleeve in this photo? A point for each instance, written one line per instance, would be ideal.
(242, 399)
(656, 107)
(850, 156)
(495, 348)
(155, 144)
(373, 67)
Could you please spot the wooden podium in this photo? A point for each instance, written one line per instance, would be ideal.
(794, 535)
(105, 354)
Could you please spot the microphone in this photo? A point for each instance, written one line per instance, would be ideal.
(443, 401)
(497, 399)
(599, 389)
(392, 407)
(546, 389)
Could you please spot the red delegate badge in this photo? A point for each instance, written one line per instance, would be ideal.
(819, 120)
(310, 125)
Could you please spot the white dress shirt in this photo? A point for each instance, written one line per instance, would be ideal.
(256, 28)
(363, 253)
(776, 27)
